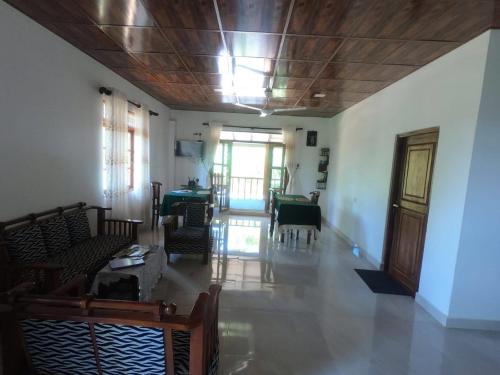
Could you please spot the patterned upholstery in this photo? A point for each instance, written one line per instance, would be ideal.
(130, 349)
(25, 245)
(181, 354)
(59, 347)
(187, 241)
(90, 256)
(56, 235)
(195, 215)
(78, 226)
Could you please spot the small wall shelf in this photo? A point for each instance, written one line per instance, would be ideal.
(323, 168)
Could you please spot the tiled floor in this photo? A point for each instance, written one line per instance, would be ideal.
(294, 308)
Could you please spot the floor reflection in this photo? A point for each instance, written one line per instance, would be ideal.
(294, 308)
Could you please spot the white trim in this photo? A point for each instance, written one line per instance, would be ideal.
(431, 309)
(480, 324)
(364, 254)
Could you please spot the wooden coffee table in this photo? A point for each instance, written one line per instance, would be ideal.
(133, 283)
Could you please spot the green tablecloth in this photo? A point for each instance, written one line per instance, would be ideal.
(174, 196)
(296, 210)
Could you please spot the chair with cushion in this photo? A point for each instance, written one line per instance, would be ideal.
(194, 235)
(156, 204)
(81, 335)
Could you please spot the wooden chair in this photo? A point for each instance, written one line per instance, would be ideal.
(314, 200)
(315, 196)
(194, 235)
(156, 204)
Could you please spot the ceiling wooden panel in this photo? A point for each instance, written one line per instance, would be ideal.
(327, 17)
(254, 15)
(298, 69)
(309, 48)
(175, 50)
(419, 53)
(183, 14)
(444, 20)
(367, 72)
(252, 44)
(84, 36)
(195, 42)
(114, 59)
(292, 83)
(138, 39)
(116, 12)
(160, 61)
(367, 50)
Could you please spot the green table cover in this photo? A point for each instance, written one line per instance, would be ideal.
(174, 196)
(296, 210)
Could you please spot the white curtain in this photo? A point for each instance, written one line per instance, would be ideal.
(214, 129)
(170, 162)
(126, 158)
(116, 157)
(289, 138)
(140, 195)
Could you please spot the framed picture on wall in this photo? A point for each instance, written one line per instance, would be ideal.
(312, 138)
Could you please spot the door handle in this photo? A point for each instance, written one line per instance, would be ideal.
(395, 205)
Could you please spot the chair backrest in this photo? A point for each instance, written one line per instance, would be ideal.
(156, 191)
(196, 214)
(315, 196)
(81, 335)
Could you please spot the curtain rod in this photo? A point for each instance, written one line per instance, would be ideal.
(106, 91)
(243, 127)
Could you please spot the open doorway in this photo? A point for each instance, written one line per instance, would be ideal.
(248, 164)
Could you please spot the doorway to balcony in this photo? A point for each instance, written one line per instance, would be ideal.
(250, 163)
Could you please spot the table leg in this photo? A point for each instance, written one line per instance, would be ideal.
(282, 237)
(308, 237)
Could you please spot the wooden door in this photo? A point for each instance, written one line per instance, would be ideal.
(410, 206)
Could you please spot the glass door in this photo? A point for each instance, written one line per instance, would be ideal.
(222, 174)
(276, 171)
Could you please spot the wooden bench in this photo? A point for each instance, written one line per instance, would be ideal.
(56, 245)
(82, 335)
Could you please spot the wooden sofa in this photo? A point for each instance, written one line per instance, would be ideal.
(56, 245)
(81, 335)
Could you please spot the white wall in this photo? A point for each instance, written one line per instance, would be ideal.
(476, 292)
(446, 94)
(189, 122)
(50, 144)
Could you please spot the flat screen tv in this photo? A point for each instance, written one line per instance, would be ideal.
(189, 148)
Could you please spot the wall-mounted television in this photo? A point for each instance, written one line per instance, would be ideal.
(189, 148)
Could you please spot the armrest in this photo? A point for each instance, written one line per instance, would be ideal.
(122, 227)
(132, 221)
(99, 208)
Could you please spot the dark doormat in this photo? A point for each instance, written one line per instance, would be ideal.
(382, 282)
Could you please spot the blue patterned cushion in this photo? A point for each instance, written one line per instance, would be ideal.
(195, 215)
(78, 226)
(55, 235)
(59, 347)
(181, 341)
(130, 349)
(25, 245)
(88, 257)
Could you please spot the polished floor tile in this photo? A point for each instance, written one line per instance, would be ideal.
(292, 308)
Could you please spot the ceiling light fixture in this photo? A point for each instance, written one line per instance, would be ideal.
(319, 95)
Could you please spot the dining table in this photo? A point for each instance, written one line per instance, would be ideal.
(201, 195)
(294, 212)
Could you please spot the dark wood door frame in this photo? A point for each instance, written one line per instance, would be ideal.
(396, 176)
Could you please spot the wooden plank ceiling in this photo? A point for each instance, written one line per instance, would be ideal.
(196, 54)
